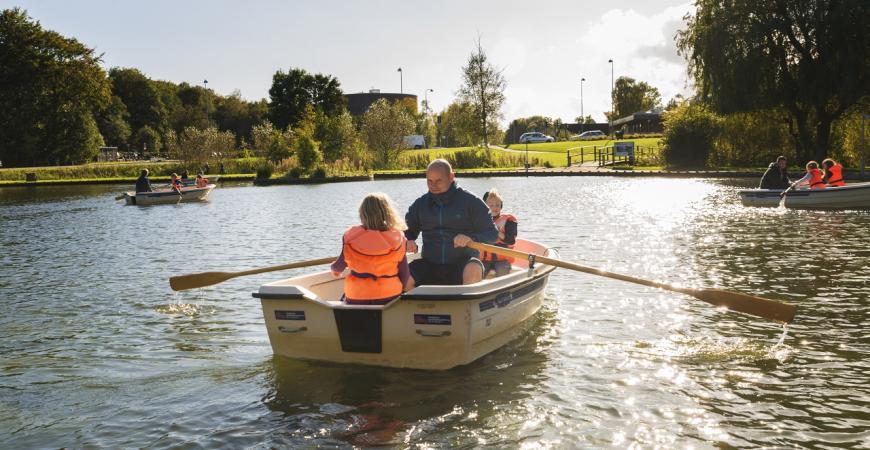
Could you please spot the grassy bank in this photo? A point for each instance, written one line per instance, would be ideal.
(122, 170)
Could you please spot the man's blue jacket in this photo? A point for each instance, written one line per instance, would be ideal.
(442, 216)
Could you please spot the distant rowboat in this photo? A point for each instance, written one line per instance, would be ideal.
(430, 327)
(851, 196)
(188, 194)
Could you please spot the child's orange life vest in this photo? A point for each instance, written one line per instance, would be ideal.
(836, 178)
(373, 258)
(500, 222)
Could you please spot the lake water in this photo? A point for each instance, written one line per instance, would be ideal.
(98, 352)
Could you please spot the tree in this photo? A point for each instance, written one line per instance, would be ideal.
(809, 58)
(338, 136)
(147, 140)
(307, 152)
(631, 96)
(196, 147)
(585, 120)
(51, 87)
(291, 92)
(236, 115)
(483, 89)
(690, 134)
(385, 125)
(458, 125)
(141, 97)
(112, 122)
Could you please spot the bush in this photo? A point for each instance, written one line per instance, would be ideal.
(264, 170)
(319, 172)
(690, 134)
(295, 172)
(307, 152)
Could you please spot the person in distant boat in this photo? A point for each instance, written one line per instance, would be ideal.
(175, 183)
(776, 177)
(449, 217)
(143, 184)
(833, 173)
(507, 235)
(201, 181)
(813, 177)
(184, 176)
(374, 251)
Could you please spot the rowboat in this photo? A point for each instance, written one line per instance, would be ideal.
(188, 194)
(429, 327)
(850, 196)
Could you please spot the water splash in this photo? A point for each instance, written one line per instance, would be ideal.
(179, 308)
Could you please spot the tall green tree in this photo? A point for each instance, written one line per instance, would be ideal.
(458, 125)
(807, 57)
(385, 125)
(291, 92)
(483, 88)
(142, 98)
(51, 87)
(631, 96)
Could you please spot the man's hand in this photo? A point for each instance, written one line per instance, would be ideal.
(336, 274)
(411, 246)
(461, 240)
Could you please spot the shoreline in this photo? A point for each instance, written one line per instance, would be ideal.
(853, 176)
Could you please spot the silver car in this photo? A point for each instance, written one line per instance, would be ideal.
(532, 137)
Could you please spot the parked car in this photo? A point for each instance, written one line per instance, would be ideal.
(532, 137)
(591, 134)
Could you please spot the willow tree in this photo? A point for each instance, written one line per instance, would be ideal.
(483, 89)
(808, 58)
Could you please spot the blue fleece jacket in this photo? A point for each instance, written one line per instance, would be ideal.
(440, 217)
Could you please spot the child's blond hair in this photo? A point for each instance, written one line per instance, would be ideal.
(812, 165)
(376, 212)
(493, 193)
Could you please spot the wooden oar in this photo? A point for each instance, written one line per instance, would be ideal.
(749, 304)
(198, 280)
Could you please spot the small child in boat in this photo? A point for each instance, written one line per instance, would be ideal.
(175, 183)
(813, 177)
(833, 173)
(201, 181)
(374, 251)
(507, 235)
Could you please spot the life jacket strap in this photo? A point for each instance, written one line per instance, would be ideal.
(371, 275)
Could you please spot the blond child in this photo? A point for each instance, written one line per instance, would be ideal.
(507, 235)
(374, 251)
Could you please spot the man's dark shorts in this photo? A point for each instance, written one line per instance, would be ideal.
(425, 272)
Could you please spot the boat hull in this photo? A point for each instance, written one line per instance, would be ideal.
(851, 196)
(430, 327)
(188, 194)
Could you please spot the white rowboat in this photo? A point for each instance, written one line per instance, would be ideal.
(429, 327)
(188, 194)
(850, 196)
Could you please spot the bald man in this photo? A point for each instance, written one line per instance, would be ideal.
(449, 217)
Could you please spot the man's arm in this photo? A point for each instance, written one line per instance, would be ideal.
(412, 220)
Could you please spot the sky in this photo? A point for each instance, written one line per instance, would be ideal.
(543, 48)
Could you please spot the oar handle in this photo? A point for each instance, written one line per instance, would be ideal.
(758, 306)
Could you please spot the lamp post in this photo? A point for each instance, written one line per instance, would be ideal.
(582, 117)
(401, 88)
(205, 82)
(612, 107)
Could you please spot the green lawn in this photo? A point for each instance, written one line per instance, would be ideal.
(587, 146)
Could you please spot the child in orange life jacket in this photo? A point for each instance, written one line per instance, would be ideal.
(201, 181)
(507, 235)
(813, 177)
(375, 254)
(175, 183)
(833, 173)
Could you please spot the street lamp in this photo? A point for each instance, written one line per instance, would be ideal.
(582, 117)
(612, 107)
(401, 88)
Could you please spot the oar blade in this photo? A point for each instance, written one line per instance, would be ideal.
(198, 280)
(749, 304)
